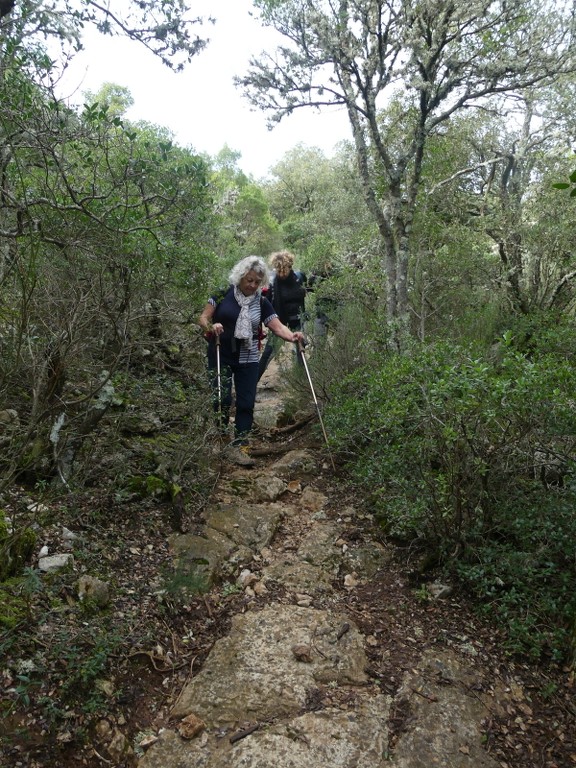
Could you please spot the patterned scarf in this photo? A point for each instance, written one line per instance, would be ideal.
(243, 328)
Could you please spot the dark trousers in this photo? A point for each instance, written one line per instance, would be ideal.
(244, 377)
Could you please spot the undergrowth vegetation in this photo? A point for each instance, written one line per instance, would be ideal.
(145, 470)
(467, 455)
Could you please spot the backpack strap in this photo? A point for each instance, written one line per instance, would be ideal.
(301, 276)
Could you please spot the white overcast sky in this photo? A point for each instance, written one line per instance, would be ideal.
(201, 105)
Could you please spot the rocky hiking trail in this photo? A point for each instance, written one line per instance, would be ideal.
(331, 656)
(316, 644)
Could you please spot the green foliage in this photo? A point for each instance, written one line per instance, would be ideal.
(228, 588)
(571, 185)
(168, 31)
(148, 485)
(541, 333)
(15, 602)
(61, 673)
(123, 221)
(185, 581)
(524, 575)
(320, 206)
(15, 551)
(432, 145)
(455, 451)
(354, 335)
(76, 662)
(245, 224)
(116, 97)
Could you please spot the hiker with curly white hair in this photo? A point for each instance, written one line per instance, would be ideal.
(232, 319)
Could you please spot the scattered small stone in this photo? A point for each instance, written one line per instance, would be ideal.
(9, 417)
(247, 578)
(351, 580)
(302, 652)
(106, 686)
(303, 600)
(343, 630)
(468, 649)
(439, 591)
(147, 741)
(104, 729)
(55, 562)
(120, 748)
(95, 590)
(35, 506)
(313, 500)
(191, 726)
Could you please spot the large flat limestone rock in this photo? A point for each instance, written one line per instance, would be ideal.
(252, 525)
(253, 674)
(332, 738)
(445, 717)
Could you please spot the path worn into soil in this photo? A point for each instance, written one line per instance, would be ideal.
(302, 678)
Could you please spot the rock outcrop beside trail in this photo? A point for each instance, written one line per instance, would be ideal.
(290, 684)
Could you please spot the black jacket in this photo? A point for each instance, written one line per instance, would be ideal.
(287, 297)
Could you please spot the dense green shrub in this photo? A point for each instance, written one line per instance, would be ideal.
(472, 457)
(527, 578)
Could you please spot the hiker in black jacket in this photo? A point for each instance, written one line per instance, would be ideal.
(287, 294)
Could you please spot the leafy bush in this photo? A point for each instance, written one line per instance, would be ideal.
(472, 457)
(349, 346)
(526, 579)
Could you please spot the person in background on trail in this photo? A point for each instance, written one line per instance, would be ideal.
(287, 293)
(234, 316)
(325, 305)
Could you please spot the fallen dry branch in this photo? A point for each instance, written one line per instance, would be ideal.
(242, 734)
(293, 427)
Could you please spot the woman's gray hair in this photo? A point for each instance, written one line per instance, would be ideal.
(250, 263)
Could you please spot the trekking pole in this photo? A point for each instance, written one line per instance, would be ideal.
(301, 348)
(219, 381)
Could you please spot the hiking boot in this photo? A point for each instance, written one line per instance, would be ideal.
(239, 454)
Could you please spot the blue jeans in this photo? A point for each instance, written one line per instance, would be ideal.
(245, 378)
